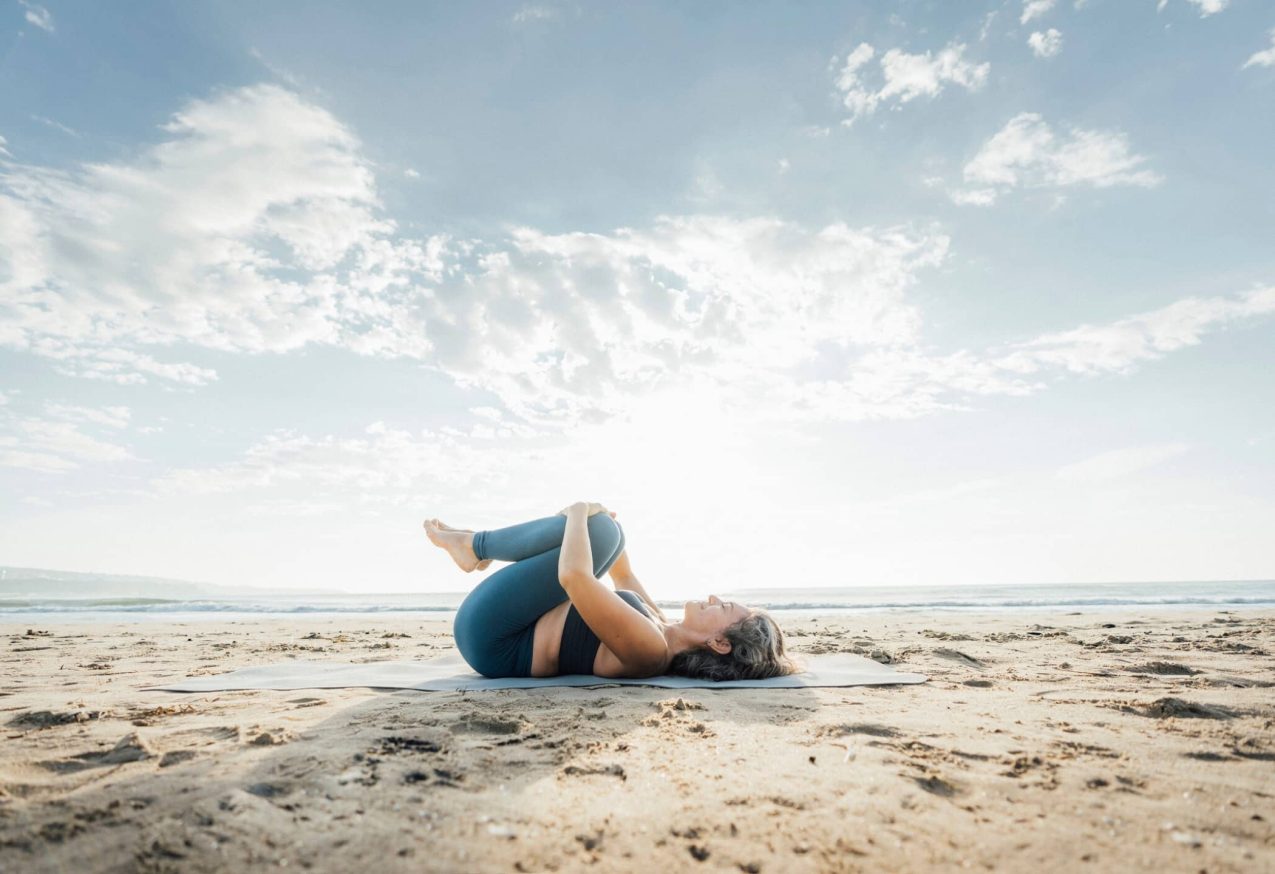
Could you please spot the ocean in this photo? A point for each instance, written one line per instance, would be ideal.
(28, 607)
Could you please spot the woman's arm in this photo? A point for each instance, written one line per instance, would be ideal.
(622, 577)
(576, 558)
(638, 644)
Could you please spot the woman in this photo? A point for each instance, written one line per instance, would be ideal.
(548, 613)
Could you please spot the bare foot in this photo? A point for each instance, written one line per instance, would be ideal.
(482, 565)
(459, 544)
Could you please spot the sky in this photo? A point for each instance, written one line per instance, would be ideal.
(817, 294)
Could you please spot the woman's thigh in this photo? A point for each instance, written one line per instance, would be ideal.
(495, 621)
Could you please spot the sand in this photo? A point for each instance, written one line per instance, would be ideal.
(1131, 741)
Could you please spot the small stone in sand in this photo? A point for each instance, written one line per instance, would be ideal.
(1163, 708)
(609, 770)
(590, 842)
(1162, 668)
(268, 739)
(130, 748)
(958, 656)
(47, 718)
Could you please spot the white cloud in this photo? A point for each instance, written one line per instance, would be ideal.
(57, 125)
(54, 446)
(1119, 346)
(123, 366)
(383, 466)
(65, 438)
(391, 469)
(38, 15)
(973, 196)
(1209, 7)
(56, 442)
(260, 231)
(1121, 462)
(280, 73)
(690, 295)
(257, 229)
(110, 417)
(905, 77)
(986, 27)
(1035, 9)
(906, 381)
(1047, 44)
(253, 227)
(412, 173)
(531, 12)
(1206, 7)
(40, 462)
(1026, 152)
(1264, 58)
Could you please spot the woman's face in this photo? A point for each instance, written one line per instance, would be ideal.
(710, 618)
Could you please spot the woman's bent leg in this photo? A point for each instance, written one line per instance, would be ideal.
(520, 541)
(495, 624)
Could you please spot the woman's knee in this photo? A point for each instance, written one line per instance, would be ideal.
(605, 538)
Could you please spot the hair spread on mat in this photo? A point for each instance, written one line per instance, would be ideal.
(756, 653)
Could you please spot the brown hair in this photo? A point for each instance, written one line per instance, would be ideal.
(756, 653)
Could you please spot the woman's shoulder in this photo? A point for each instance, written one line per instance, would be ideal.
(634, 600)
(653, 663)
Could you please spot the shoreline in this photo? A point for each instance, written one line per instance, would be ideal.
(1132, 738)
(123, 617)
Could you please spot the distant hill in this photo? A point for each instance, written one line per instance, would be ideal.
(26, 582)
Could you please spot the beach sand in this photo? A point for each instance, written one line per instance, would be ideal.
(1129, 741)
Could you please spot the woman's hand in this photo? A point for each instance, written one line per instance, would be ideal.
(592, 509)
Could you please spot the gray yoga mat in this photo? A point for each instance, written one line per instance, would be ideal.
(450, 673)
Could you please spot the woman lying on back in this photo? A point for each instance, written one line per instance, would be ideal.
(549, 613)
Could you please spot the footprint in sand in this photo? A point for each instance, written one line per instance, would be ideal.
(37, 719)
(844, 728)
(176, 757)
(481, 725)
(271, 738)
(936, 785)
(132, 747)
(268, 790)
(605, 770)
(1165, 708)
(397, 745)
(958, 656)
(1162, 668)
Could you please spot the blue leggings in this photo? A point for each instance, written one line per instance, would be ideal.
(496, 622)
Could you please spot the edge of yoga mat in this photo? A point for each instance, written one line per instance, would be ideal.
(450, 673)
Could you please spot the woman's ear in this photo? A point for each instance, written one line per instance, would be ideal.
(719, 645)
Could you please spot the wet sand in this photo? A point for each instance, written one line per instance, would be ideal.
(1131, 740)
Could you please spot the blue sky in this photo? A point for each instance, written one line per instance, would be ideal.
(810, 294)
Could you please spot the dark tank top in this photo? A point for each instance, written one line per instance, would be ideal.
(579, 646)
